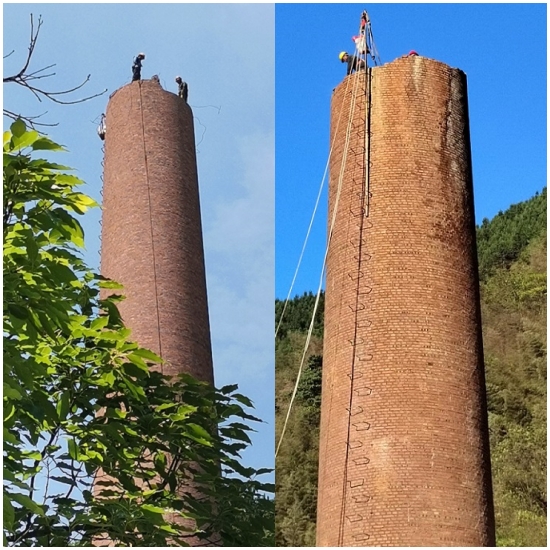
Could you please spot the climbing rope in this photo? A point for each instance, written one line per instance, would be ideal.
(333, 219)
(150, 222)
(310, 222)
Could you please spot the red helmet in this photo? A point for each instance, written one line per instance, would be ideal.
(412, 52)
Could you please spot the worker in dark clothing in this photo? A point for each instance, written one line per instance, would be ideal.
(354, 63)
(102, 128)
(136, 67)
(183, 89)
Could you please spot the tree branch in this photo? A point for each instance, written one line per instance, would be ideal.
(29, 120)
(26, 79)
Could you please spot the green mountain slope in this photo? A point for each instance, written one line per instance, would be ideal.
(512, 263)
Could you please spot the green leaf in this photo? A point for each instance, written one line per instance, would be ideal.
(153, 508)
(9, 437)
(82, 202)
(183, 412)
(243, 399)
(199, 431)
(100, 322)
(229, 389)
(138, 361)
(120, 413)
(262, 471)
(165, 406)
(28, 503)
(24, 140)
(135, 390)
(62, 273)
(18, 128)
(111, 335)
(9, 411)
(147, 354)
(46, 144)
(63, 406)
(18, 311)
(72, 448)
(160, 462)
(68, 179)
(10, 392)
(109, 378)
(33, 455)
(109, 284)
(8, 513)
(63, 479)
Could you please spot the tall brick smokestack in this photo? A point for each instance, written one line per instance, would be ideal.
(151, 238)
(404, 452)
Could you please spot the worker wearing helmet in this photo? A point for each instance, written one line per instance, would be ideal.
(183, 89)
(136, 67)
(354, 63)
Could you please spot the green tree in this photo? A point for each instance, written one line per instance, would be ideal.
(501, 240)
(96, 444)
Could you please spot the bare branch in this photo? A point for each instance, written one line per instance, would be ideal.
(7, 55)
(25, 78)
(40, 70)
(28, 120)
(32, 43)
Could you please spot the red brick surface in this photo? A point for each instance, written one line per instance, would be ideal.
(151, 227)
(404, 457)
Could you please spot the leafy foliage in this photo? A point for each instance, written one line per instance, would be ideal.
(296, 480)
(309, 388)
(297, 314)
(512, 259)
(297, 494)
(514, 330)
(97, 445)
(501, 240)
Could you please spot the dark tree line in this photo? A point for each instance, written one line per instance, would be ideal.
(501, 240)
(298, 312)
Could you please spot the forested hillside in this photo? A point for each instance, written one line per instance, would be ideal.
(512, 264)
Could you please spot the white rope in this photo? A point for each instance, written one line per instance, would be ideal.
(311, 221)
(334, 212)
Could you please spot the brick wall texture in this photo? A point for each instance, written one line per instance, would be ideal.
(404, 456)
(151, 239)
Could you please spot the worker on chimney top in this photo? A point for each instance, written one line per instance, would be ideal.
(183, 89)
(136, 67)
(354, 63)
(412, 53)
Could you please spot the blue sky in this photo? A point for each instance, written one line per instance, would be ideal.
(501, 48)
(231, 92)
